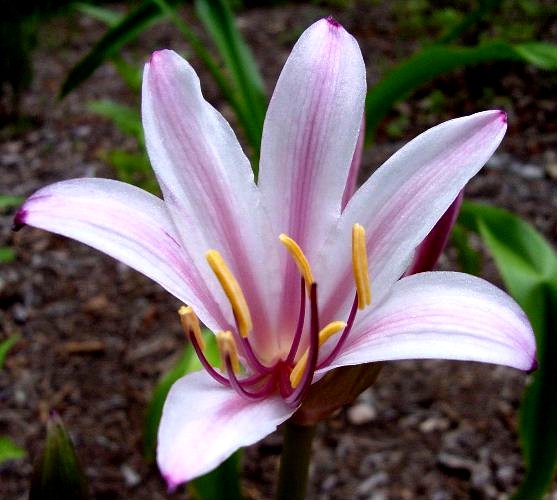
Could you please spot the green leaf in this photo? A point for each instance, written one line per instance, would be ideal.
(7, 255)
(125, 118)
(219, 22)
(57, 474)
(187, 363)
(220, 483)
(484, 9)
(431, 62)
(9, 201)
(540, 54)
(528, 265)
(133, 168)
(112, 41)
(9, 450)
(469, 259)
(102, 14)
(131, 74)
(5, 346)
(538, 418)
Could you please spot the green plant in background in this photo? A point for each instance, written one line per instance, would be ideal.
(57, 474)
(528, 266)
(8, 449)
(7, 202)
(19, 25)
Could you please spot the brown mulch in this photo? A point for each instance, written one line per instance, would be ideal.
(96, 335)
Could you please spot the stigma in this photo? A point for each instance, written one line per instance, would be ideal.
(292, 374)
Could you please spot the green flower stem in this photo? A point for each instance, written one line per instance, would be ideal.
(294, 461)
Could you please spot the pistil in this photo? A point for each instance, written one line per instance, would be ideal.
(313, 352)
(299, 327)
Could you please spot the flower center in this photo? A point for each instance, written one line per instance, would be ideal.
(292, 376)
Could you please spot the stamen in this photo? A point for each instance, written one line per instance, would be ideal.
(359, 266)
(324, 335)
(228, 350)
(190, 325)
(293, 399)
(232, 290)
(251, 358)
(210, 370)
(300, 259)
(299, 327)
(239, 386)
(340, 341)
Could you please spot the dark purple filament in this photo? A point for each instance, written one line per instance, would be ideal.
(296, 396)
(300, 326)
(340, 342)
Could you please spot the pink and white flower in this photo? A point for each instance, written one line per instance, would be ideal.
(214, 244)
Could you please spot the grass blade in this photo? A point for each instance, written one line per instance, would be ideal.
(111, 42)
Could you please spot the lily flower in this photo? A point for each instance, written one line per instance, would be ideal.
(295, 278)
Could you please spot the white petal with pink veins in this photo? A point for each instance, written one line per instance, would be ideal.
(442, 315)
(203, 423)
(402, 201)
(208, 186)
(309, 138)
(128, 224)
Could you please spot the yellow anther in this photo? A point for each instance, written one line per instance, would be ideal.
(232, 290)
(227, 348)
(190, 325)
(359, 265)
(332, 328)
(299, 258)
(324, 335)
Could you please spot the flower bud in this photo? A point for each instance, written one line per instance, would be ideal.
(57, 474)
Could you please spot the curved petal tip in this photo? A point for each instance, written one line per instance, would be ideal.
(534, 366)
(157, 55)
(171, 483)
(503, 116)
(19, 219)
(333, 22)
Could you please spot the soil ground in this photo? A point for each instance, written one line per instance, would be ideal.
(96, 335)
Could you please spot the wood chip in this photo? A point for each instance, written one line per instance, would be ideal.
(84, 346)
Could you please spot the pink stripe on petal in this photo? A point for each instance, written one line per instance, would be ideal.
(209, 189)
(203, 423)
(446, 316)
(352, 180)
(309, 138)
(128, 224)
